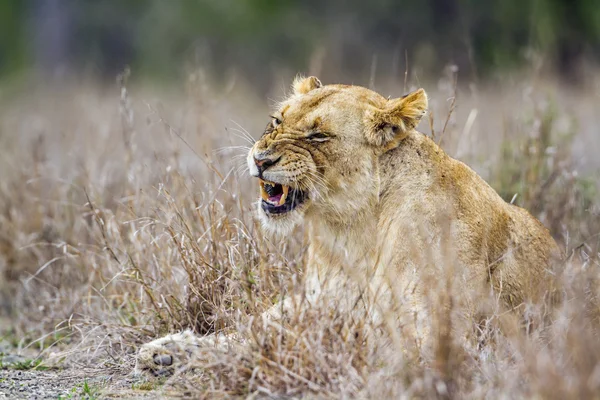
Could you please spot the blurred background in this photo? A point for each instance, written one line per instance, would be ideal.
(260, 39)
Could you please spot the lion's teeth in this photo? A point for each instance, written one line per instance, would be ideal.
(263, 192)
(286, 189)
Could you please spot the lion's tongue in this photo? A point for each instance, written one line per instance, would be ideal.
(277, 199)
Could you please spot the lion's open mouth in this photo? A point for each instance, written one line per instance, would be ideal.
(279, 199)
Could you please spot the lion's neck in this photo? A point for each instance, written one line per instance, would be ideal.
(344, 241)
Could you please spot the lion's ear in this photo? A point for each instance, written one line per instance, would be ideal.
(304, 85)
(389, 125)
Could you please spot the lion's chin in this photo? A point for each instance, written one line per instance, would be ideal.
(281, 224)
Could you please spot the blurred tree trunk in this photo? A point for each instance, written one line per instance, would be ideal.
(571, 39)
(50, 23)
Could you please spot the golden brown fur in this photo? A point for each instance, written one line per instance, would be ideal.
(382, 194)
(385, 205)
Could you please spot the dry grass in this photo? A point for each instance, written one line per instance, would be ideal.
(124, 218)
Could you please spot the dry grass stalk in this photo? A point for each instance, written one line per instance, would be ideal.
(98, 256)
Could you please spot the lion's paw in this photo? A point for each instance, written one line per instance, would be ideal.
(163, 356)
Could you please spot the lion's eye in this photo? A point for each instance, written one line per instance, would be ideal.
(275, 122)
(318, 136)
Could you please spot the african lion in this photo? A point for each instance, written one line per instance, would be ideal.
(375, 195)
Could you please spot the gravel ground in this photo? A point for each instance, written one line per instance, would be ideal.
(45, 384)
(18, 382)
(71, 384)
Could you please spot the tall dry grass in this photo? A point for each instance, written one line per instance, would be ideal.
(124, 217)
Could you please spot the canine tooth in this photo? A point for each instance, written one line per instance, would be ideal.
(286, 189)
(263, 192)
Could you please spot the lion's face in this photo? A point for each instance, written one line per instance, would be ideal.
(319, 153)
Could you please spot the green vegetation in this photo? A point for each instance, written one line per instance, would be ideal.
(82, 391)
(28, 364)
(165, 39)
(148, 385)
(89, 392)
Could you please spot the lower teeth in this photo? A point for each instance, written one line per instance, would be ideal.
(284, 195)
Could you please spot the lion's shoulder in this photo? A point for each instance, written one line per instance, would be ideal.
(420, 181)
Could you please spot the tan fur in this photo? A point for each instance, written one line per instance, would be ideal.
(303, 85)
(381, 192)
(386, 204)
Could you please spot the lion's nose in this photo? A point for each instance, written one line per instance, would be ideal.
(263, 163)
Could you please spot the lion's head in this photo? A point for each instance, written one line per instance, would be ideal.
(319, 153)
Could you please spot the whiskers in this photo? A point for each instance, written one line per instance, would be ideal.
(242, 133)
(315, 183)
(238, 159)
(319, 188)
(236, 154)
(230, 149)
